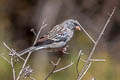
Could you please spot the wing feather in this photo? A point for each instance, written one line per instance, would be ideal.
(58, 33)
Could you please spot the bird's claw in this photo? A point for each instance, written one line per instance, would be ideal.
(65, 49)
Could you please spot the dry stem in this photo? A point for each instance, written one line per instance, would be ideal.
(53, 69)
(88, 62)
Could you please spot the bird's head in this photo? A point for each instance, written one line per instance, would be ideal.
(72, 24)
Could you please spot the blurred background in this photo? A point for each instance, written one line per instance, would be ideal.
(18, 17)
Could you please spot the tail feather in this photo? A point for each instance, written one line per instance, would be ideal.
(30, 49)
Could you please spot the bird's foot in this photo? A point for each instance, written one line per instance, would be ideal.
(64, 50)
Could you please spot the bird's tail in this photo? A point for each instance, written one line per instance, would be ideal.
(30, 49)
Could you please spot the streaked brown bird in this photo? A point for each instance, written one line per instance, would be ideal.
(58, 37)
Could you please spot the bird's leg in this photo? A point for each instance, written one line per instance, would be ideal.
(63, 50)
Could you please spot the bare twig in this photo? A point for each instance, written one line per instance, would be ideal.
(87, 34)
(5, 59)
(63, 68)
(85, 68)
(54, 67)
(12, 65)
(32, 30)
(97, 60)
(43, 25)
(79, 56)
(7, 46)
(82, 60)
(13, 69)
(12, 52)
(11, 61)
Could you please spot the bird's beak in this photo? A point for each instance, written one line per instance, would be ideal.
(78, 28)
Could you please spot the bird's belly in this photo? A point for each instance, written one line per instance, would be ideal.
(56, 44)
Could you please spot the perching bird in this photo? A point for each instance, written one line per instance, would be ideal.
(58, 37)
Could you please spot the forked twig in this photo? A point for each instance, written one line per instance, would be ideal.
(88, 62)
(32, 30)
(53, 69)
(11, 62)
(12, 51)
(55, 66)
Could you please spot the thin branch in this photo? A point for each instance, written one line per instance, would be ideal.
(56, 62)
(82, 60)
(64, 67)
(87, 34)
(13, 54)
(20, 57)
(85, 68)
(32, 30)
(7, 46)
(97, 60)
(12, 51)
(13, 69)
(5, 59)
(43, 25)
(78, 60)
(55, 66)
(52, 71)
(12, 65)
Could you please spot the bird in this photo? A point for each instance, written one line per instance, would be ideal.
(57, 37)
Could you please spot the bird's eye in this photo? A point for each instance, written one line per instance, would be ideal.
(75, 24)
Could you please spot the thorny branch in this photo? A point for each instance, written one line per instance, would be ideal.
(88, 61)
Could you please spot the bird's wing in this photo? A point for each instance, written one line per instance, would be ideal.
(57, 34)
